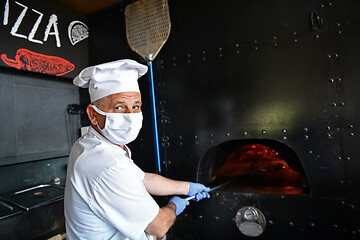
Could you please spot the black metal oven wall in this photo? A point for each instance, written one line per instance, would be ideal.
(280, 70)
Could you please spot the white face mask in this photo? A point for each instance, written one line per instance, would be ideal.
(121, 128)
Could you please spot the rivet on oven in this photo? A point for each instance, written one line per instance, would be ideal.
(351, 126)
(342, 103)
(310, 151)
(339, 158)
(245, 133)
(284, 137)
(169, 162)
(342, 181)
(263, 132)
(271, 222)
(216, 194)
(333, 104)
(180, 143)
(195, 137)
(185, 215)
(353, 232)
(328, 127)
(227, 134)
(284, 131)
(201, 217)
(216, 218)
(348, 158)
(351, 134)
(282, 196)
(306, 129)
(331, 80)
(211, 142)
(339, 79)
(329, 135)
(312, 224)
(291, 224)
(335, 225)
(306, 137)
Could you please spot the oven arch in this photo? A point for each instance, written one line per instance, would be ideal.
(290, 178)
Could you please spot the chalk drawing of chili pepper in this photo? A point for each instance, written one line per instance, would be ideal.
(36, 62)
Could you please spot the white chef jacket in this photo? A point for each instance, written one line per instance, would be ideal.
(105, 197)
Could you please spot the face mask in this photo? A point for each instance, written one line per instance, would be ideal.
(121, 128)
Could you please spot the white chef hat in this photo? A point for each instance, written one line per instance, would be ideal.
(112, 77)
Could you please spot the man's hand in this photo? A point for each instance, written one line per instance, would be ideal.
(180, 204)
(198, 190)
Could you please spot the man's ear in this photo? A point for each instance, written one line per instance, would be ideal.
(91, 114)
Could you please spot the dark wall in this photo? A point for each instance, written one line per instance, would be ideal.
(35, 126)
(281, 70)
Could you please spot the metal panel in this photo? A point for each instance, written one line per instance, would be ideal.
(288, 217)
(260, 71)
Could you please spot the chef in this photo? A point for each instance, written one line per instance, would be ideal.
(106, 195)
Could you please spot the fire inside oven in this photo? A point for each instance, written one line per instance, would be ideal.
(255, 166)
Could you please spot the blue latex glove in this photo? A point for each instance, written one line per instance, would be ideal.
(200, 196)
(180, 204)
(198, 190)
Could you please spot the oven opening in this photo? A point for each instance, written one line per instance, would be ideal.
(254, 166)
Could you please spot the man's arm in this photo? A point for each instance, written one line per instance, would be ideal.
(163, 221)
(160, 186)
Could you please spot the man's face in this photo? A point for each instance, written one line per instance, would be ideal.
(125, 102)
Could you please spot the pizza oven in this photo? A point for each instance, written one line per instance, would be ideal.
(253, 166)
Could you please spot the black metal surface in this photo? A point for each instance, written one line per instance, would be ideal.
(287, 216)
(7, 209)
(34, 197)
(38, 223)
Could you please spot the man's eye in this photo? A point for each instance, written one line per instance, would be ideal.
(137, 107)
(118, 108)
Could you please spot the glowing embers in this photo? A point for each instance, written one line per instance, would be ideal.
(259, 169)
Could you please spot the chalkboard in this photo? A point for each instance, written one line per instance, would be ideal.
(42, 36)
